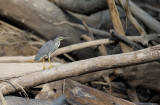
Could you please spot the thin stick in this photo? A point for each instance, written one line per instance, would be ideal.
(69, 57)
(89, 31)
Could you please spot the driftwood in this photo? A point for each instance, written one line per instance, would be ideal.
(59, 51)
(89, 76)
(81, 67)
(82, 6)
(130, 75)
(135, 10)
(118, 88)
(145, 5)
(81, 46)
(79, 26)
(81, 94)
(145, 75)
(48, 94)
(148, 20)
(142, 39)
(126, 41)
(41, 16)
(87, 38)
(117, 24)
(102, 19)
(148, 38)
(49, 91)
(132, 19)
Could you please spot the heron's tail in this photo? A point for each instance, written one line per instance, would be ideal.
(37, 58)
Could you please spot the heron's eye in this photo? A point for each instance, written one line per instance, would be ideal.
(60, 37)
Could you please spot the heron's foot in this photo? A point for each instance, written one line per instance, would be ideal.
(50, 67)
(44, 68)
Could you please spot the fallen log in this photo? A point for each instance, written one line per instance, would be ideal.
(84, 95)
(82, 6)
(39, 13)
(82, 67)
(148, 20)
(132, 75)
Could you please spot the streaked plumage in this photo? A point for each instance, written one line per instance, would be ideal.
(48, 48)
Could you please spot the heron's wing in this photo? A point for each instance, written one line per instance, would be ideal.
(44, 50)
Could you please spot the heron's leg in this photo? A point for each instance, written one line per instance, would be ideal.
(44, 64)
(50, 62)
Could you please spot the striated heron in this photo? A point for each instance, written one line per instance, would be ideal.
(48, 48)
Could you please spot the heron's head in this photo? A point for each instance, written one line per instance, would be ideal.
(62, 38)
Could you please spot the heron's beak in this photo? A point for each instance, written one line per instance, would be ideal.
(66, 37)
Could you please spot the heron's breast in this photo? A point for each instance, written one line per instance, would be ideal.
(55, 47)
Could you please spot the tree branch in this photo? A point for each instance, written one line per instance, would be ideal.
(132, 19)
(59, 51)
(82, 67)
(126, 41)
(117, 23)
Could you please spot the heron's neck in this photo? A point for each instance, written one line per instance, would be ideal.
(57, 40)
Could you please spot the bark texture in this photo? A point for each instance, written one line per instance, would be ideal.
(81, 67)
